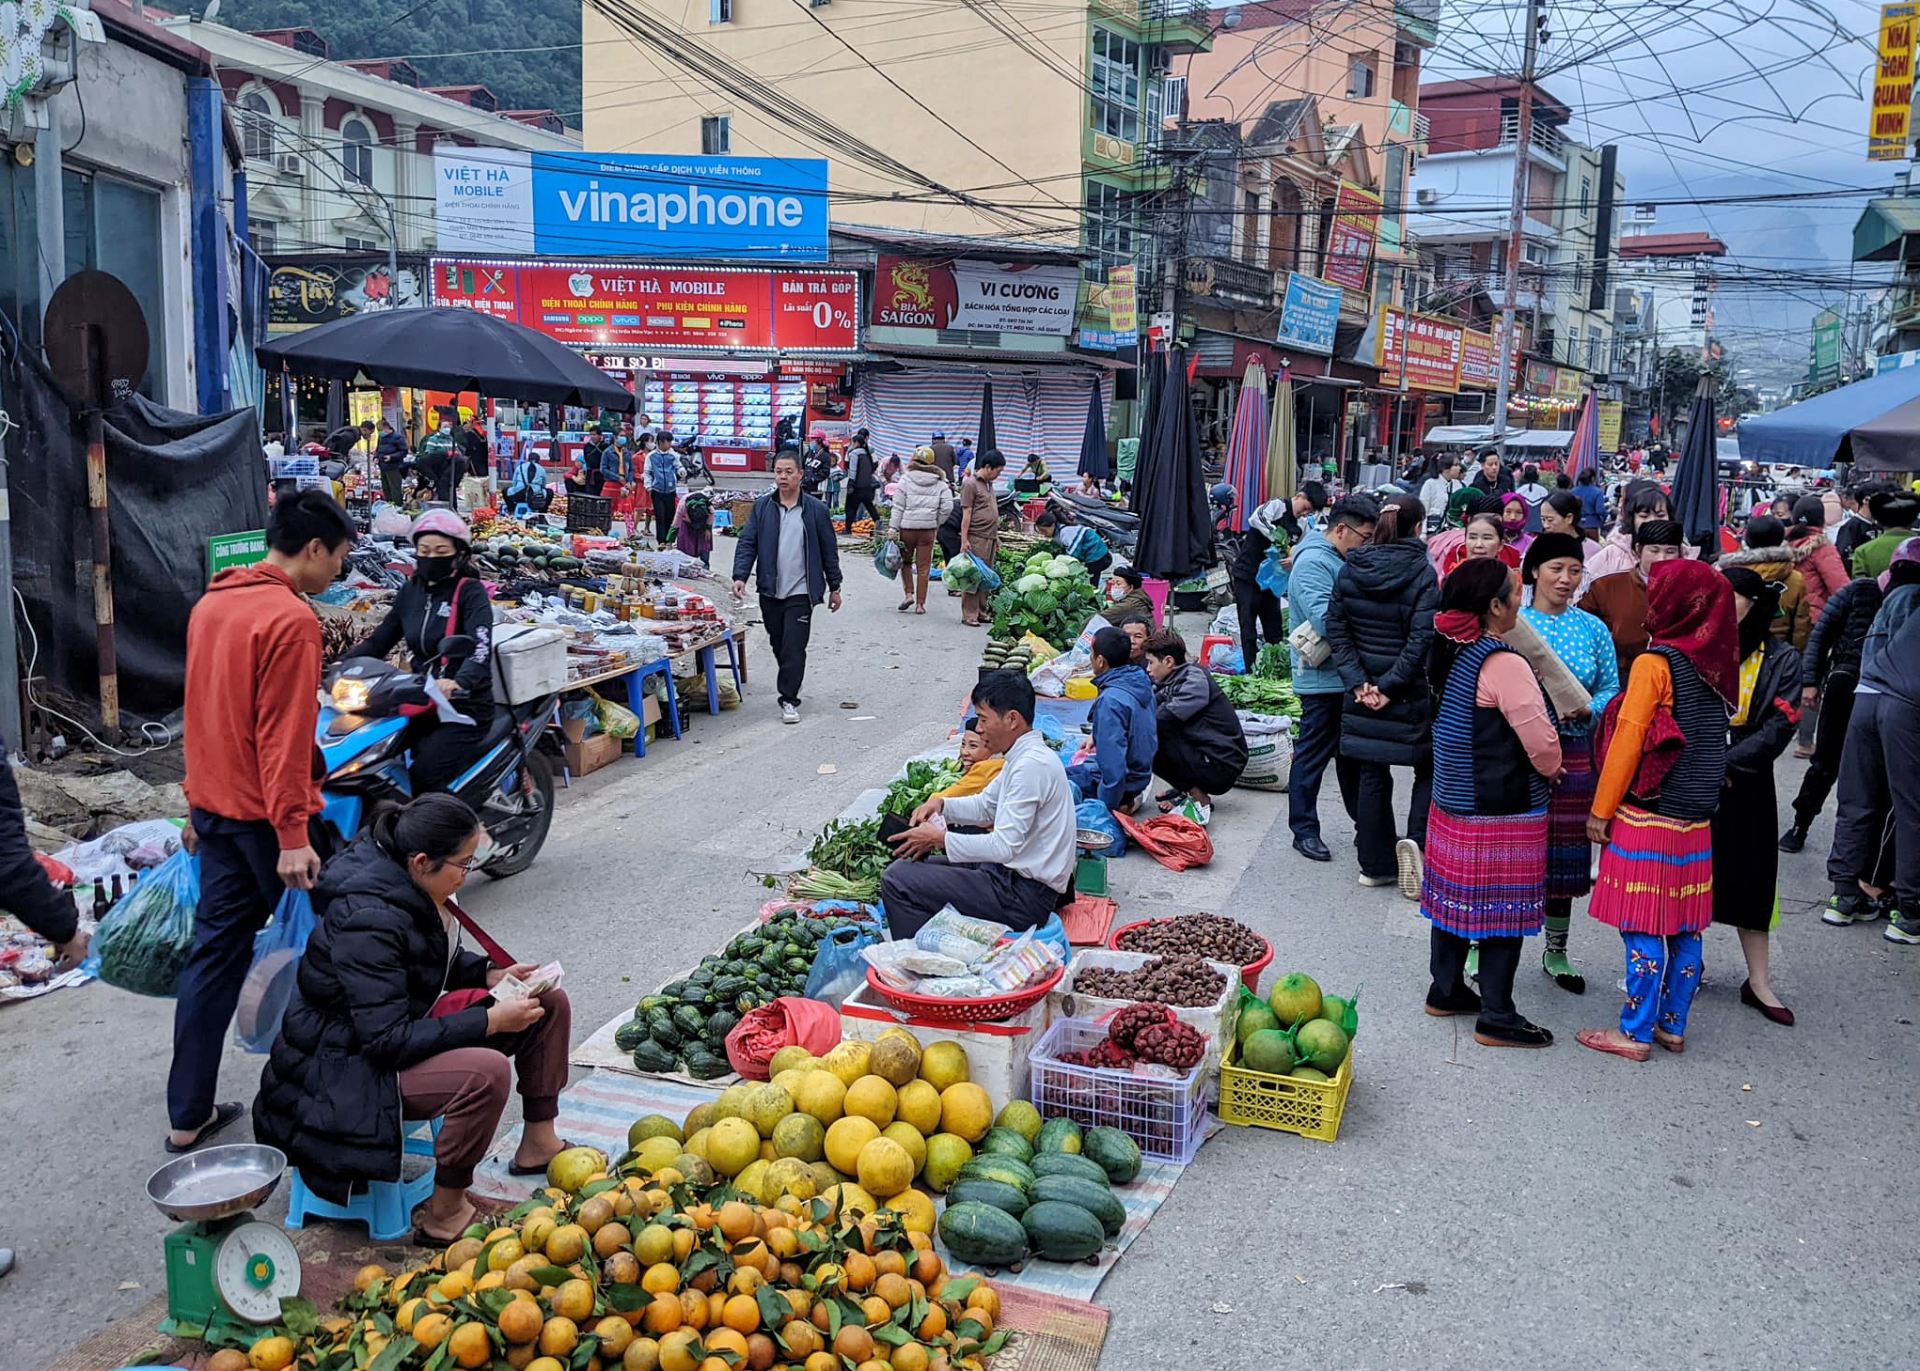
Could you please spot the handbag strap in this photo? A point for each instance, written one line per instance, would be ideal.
(498, 954)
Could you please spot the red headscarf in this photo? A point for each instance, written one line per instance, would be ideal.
(1690, 609)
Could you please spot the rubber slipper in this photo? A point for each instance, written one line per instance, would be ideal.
(905, 605)
(1668, 1041)
(223, 1114)
(1599, 1042)
(515, 1169)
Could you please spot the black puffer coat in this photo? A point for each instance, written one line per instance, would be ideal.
(330, 1094)
(1380, 627)
(1840, 633)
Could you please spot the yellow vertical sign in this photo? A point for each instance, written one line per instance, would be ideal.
(1893, 84)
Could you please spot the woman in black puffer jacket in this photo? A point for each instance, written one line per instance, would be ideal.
(360, 1047)
(1380, 626)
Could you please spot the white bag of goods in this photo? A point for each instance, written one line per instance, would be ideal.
(1269, 750)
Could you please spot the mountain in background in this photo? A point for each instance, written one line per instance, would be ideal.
(527, 53)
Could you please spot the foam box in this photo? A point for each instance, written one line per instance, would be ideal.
(996, 1052)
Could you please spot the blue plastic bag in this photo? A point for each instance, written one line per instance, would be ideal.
(268, 988)
(1272, 576)
(838, 967)
(142, 945)
(973, 574)
(1091, 816)
(886, 558)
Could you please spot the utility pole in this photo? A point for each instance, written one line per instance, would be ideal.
(1516, 223)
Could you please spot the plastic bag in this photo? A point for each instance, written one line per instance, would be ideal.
(886, 558)
(1054, 934)
(788, 1022)
(952, 934)
(969, 573)
(839, 969)
(615, 720)
(1172, 841)
(1051, 677)
(268, 988)
(143, 943)
(1092, 816)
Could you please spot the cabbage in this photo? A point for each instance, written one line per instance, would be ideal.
(1056, 572)
(1039, 560)
(1066, 566)
(1028, 584)
(1042, 602)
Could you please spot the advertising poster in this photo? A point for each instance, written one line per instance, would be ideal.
(1309, 314)
(1893, 84)
(1477, 360)
(910, 292)
(1356, 222)
(1429, 349)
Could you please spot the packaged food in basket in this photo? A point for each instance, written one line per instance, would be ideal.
(1022, 962)
(952, 934)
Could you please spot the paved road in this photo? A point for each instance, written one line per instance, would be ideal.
(1482, 1209)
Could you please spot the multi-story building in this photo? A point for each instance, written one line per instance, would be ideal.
(339, 155)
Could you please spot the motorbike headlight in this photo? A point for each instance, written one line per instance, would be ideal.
(350, 695)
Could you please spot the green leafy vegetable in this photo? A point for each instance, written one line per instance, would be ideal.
(917, 786)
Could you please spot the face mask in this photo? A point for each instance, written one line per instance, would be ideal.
(1514, 526)
(433, 570)
(1116, 592)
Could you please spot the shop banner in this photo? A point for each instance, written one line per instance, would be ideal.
(630, 204)
(1356, 221)
(1610, 412)
(1309, 315)
(910, 292)
(1541, 380)
(1123, 300)
(1569, 384)
(1893, 84)
(305, 291)
(1478, 367)
(1429, 347)
(620, 307)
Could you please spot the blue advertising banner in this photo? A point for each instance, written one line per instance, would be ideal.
(1310, 314)
(503, 200)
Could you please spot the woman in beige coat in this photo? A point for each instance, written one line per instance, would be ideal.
(921, 503)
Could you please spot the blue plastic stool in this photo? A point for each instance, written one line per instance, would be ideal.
(637, 698)
(385, 1207)
(705, 658)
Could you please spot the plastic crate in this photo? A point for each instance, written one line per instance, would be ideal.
(1166, 1117)
(1254, 1099)
(586, 512)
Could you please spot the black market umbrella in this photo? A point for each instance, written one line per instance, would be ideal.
(984, 441)
(1170, 492)
(446, 349)
(1154, 368)
(1696, 487)
(1094, 461)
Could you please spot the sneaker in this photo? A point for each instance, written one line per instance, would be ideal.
(1852, 908)
(1522, 1034)
(1901, 929)
(1375, 882)
(1794, 838)
(789, 714)
(1887, 903)
(1406, 853)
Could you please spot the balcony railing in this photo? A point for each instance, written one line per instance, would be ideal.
(1422, 126)
(1229, 277)
(1543, 136)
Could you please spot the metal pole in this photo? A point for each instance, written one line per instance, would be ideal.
(12, 729)
(102, 538)
(1516, 222)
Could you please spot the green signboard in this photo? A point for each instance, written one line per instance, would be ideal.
(225, 550)
(1826, 347)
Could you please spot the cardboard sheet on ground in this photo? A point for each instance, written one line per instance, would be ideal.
(598, 1111)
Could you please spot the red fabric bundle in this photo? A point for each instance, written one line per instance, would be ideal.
(1174, 841)
(58, 872)
(789, 1020)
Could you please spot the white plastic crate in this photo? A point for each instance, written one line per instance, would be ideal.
(1216, 1021)
(1166, 1116)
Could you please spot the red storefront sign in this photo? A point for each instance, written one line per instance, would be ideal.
(1478, 367)
(606, 306)
(1428, 348)
(1350, 237)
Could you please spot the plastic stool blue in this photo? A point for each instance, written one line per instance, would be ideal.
(385, 1207)
(705, 658)
(637, 698)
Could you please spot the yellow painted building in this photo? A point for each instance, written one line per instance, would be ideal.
(1029, 121)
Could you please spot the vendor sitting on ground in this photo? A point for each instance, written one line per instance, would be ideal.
(1126, 595)
(360, 1048)
(1124, 736)
(981, 763)
(1202, 748)
(1021, 870)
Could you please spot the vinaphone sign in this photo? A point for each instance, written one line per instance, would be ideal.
(501, 200)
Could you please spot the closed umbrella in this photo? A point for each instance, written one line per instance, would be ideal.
(1583, 453)
(986, 442)
(1247, 445)
(1176, 527)
(1093, 444)
(1696, 487)
(446, 349)
(1283, 463)
(1155, 367)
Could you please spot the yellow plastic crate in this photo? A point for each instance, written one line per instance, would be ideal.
(1254, 1099)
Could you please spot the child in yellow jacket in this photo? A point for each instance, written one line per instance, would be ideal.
(982, 765)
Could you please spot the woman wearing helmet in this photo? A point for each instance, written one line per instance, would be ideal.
(441, 600)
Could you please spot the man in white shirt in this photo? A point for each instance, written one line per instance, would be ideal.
(1018, 871)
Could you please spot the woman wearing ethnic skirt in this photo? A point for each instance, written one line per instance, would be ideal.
(1659, 786)
(1554, 568)
(1495, 749)
(1764, 719)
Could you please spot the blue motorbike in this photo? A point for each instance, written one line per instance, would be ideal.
(361, 735)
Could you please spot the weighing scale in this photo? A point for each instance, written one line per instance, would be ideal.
(226, 1271)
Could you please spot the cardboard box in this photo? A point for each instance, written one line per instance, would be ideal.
(650, 711)
(996, 1052)
(589, 755)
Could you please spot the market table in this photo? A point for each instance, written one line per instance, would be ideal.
(700, 652)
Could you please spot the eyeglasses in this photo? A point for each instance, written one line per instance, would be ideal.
(467, 866)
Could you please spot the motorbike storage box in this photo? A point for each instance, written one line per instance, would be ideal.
(529, 661)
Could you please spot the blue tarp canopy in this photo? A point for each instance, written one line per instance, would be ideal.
(1874, 424)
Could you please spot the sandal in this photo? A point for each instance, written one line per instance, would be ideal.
(905, 605)
(919, 609)
(1597, 1039)
(515, 1169)
(223, 1115)
(1668, 1041)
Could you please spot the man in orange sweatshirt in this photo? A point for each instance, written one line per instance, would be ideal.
(253, 780)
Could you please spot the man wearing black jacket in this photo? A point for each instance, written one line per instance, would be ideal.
(391, 455)
(1492, 478)
(475, 457)
(790, 535)
(1829, 673)
(1201, 750)
(861, 480)
(1883, 742)
(1856, 528)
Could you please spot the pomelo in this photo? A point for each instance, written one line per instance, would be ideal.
(1333, 1008)
(946, 1154)
(801, 1136)
(1295, 998)
(919, 1105)
(732, 1145)
(1323, 1044)
(1308, 1073)
(1253, 1018)
(1267, 1051)
(653, 1126)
